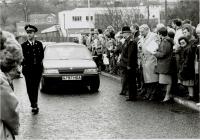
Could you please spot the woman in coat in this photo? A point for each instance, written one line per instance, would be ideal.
(164, 56)
(186, 71)
(10, 59)
(149, 43)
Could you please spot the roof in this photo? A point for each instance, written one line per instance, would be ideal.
(50, 29)
(41, 27)
(42, 15)
(100, 9)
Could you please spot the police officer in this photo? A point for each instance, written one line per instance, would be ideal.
(129, 64)
(32, 65)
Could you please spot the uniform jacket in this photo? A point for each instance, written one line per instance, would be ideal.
(33, 55)
(129, 53)
(9, 117)
(164, 56)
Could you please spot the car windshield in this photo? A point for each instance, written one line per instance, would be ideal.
(61, 52)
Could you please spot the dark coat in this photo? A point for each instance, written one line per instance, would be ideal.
(187, 68)
(164, 56)
(33, 56)
(136, 36)
(129, 54)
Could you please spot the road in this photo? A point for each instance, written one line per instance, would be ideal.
(75, 113)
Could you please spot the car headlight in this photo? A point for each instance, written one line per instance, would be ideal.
(51, 71)
(91, 71)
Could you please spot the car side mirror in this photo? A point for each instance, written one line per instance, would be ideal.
(94, 57)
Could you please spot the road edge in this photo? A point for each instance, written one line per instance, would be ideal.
(179, 100)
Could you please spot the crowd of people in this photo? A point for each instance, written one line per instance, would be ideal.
(166, 56)
(146, 59)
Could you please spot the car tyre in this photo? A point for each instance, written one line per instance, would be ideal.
(95, 85)
(43, 86)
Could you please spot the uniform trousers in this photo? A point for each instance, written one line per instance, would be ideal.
(32, 78)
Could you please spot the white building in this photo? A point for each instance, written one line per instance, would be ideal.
(77, 20)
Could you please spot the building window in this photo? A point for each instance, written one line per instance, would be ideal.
(50, 19)
(76, 18)
(87, 18)
(35, 20)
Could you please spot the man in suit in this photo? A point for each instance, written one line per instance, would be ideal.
(129, 64)
(32, 65)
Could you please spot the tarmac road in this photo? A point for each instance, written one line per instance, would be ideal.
(75, 113)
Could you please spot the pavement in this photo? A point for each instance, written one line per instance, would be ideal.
(179, 100)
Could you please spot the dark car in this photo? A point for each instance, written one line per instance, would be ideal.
(69, 64)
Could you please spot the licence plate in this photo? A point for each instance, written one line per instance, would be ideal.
(74, 77)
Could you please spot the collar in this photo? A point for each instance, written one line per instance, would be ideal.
(178, 28)
(30, 42)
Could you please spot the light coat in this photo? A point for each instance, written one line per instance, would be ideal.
(149, 61)
(9, 117)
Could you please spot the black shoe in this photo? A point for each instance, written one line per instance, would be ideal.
(170, 100)
(190, 98)
(122, 93)
(130, 99)
(35, 110)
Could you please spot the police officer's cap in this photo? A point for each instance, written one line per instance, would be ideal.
(30, 28)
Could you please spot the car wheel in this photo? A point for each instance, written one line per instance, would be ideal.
(95, 85)
(43, 86)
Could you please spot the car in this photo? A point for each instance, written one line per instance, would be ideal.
(69, 64)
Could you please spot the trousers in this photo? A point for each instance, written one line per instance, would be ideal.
(32, 78)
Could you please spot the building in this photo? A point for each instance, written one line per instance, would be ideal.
(38, 19)
(80, 20)
(41, 21)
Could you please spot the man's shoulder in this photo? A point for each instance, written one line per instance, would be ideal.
(38, 42)
(132, 41)
(25, 43)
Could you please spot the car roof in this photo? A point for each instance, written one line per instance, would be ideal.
(67, 44)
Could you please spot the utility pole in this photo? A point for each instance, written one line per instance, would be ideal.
(166, 15)
(89, 14)
(199, 54)
(26, 11)
(148, 12)
(24, 5)
(199, 14)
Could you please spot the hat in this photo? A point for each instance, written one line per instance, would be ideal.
(188, 27)
(30, 28)
(126, 29)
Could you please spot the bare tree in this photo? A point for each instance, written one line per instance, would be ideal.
(117, 17)
(4, 14)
